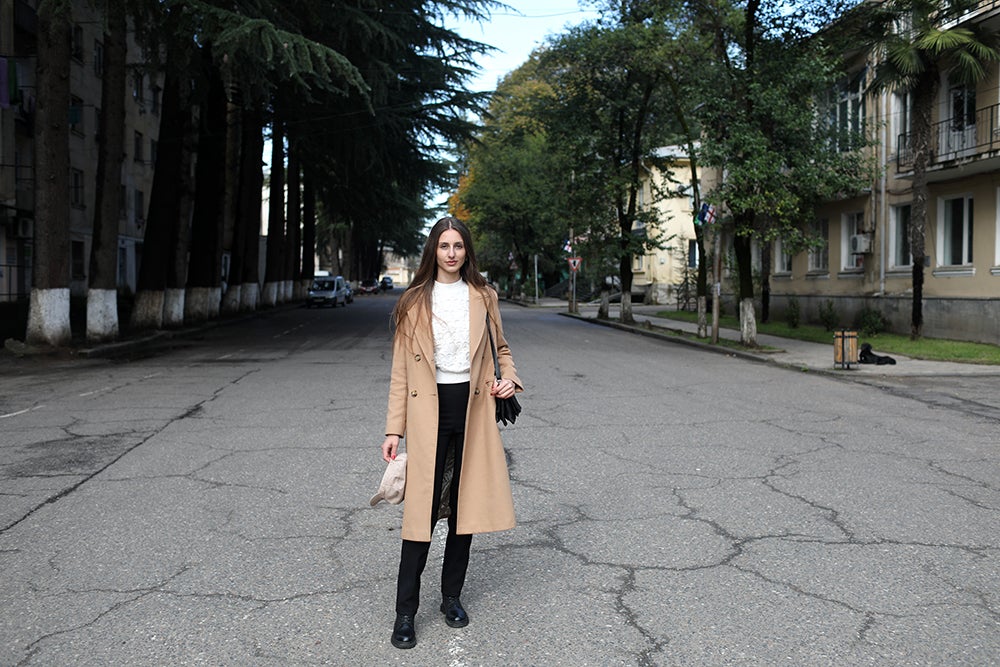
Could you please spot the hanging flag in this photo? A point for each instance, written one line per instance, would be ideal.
(707, 214)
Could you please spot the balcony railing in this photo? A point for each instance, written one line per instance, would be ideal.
(956, 138)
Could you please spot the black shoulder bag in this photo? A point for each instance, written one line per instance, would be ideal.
(507, 408)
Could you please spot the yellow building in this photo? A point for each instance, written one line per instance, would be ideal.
(866, 259)
(665, 185)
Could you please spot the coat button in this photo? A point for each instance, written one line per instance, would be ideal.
(417, 357)
(413, 393)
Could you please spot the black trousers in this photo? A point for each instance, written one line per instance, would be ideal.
(453, 400)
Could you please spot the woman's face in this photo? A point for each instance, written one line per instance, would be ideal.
(450, 256)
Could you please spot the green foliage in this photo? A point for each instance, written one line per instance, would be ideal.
(828, 315)
(792, 312)
(869, 322)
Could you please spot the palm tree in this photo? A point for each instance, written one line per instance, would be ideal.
(914, 41)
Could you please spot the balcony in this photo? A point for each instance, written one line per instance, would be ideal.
(971, 142)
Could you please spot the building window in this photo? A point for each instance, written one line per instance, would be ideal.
(137, 147)
(782, 260)
(75, 115)
(901, 236)
(848, 111)
(140, 207)
(138, 93)
(692, 258)
(851, 224)
(78, 260)
(77, 45)
(154, 100)
(955, 234)
(152, 152)
(819, 256)
(76, 188)
(98, 58)
(638, 263)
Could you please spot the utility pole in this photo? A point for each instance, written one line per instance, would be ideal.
(717, 285)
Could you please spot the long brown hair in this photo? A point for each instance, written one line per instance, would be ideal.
(416, 300)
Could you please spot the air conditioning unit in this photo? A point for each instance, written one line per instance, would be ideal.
(25, 228)
(861, 244)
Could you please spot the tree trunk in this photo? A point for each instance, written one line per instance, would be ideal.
(102, 295)
(308, 270)
(765, 282)
(48, 311)
(174, 298)
(248, 211)
(273, 274)
(923, 105)
(625, 276)
(742, 250)
(164, 212)
(231, 284)
(293, 258)
(203, 296)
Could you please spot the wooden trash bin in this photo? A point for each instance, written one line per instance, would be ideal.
(845, 348)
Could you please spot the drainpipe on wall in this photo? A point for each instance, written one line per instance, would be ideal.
(883, 204)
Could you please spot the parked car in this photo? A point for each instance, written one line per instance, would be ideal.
(386, 284)
(368, 287)
(328, 291)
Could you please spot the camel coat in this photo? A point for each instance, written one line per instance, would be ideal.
(485, 503)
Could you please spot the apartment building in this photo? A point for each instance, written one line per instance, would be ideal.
(18, 38)
(866, 260)
(665, 186)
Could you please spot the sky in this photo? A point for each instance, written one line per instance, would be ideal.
(516, 32)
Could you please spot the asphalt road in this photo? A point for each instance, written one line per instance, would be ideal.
(208, 504)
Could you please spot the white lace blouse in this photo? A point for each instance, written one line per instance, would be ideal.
(450, 309)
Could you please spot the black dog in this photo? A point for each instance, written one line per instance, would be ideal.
(868, 357)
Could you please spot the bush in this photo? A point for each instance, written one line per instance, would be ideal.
(870, 322)
(792, 313)
(828, 315)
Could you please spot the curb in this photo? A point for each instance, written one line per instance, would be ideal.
(650, 333)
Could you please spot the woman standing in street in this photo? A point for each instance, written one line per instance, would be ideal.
(442, 372)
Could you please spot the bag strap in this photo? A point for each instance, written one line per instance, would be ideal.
(493, 347)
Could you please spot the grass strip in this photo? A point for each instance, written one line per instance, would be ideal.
(933, 349)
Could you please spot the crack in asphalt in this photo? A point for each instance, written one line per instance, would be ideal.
(187, 414)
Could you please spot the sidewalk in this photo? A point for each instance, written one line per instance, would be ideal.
(798, 354)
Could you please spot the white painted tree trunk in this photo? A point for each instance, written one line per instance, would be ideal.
(702, 317)
(289, 288)
(625, 316)
(173, 307)
(249, 297)
(48, 317)
(269, 298)
(201, 304)
(748, 323)
(231, 300)
(148, 310)
(301, 290)
(102, 315)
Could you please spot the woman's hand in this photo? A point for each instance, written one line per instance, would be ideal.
(502, 388)
(389, 447)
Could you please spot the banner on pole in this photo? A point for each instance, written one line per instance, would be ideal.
(574, 263)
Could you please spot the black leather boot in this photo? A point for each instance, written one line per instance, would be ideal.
(454, 614)
(404, 633)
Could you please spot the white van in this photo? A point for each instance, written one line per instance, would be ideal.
(327, 291)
